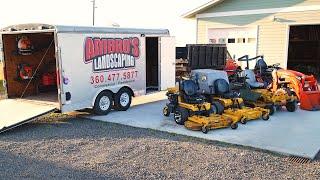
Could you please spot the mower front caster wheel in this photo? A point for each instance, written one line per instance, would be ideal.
(265, 116)
(234, 125)
(166, 111)
(243, 120)
(205, 129)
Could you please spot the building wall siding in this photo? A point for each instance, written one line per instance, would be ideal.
(272, 35)
(238, 5)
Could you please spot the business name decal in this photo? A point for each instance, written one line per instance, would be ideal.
(111, 53)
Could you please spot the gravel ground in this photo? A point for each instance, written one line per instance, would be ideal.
(73, 148)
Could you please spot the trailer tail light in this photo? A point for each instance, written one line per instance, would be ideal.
(68, 96)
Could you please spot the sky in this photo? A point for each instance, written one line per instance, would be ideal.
(127, 13)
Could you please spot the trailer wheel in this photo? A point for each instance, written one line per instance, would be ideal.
(103, 103)
(291, 106)
(122, 100)
(181, 115)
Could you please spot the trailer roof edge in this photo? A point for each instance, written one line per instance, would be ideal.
(85, 29)
(29, 28)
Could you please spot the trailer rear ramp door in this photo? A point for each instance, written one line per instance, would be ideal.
(15, 112)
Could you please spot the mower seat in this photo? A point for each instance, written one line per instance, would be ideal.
(189, 93)
(251, 79)
(222, 88)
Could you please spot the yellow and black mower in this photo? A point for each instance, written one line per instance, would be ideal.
(190, 109)
(214, 85)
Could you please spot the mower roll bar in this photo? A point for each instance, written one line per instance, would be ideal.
(247, 59)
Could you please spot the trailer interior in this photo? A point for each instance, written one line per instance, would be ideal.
(304, 49)
(30, 66)
(152, 63)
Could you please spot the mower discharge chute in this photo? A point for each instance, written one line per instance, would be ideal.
(214, 85)
(190, 109)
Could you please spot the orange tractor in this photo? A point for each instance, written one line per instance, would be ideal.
(304, 87)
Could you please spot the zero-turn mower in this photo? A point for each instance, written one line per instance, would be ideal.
(214, 85)
(190, 109)
(256, 94)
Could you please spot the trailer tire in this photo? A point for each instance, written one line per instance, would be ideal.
(122, 100)
(103, 103)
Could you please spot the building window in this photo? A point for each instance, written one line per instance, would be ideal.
(232, 40)
(241, 40)
(252, 40)
(222, 41)
(212, 41)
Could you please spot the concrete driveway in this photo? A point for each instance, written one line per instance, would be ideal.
(287, 133)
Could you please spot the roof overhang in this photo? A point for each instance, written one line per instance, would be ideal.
(194, 12)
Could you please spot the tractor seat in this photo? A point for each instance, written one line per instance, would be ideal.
(189, 91)
(251, 79)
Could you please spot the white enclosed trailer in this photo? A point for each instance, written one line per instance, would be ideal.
(65, 68)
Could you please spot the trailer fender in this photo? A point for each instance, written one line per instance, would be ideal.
(113, 89)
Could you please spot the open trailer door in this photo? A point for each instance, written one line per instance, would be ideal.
(15, 112)
(167, 63)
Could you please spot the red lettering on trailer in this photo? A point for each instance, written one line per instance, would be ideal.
(111, 53)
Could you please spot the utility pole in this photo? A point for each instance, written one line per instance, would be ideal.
(93, 10)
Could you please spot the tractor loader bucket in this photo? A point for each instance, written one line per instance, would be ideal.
(310, 100)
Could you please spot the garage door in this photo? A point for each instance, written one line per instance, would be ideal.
(240, 41)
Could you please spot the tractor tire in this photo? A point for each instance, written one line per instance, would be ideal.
(291, 106)
(217, 107)
(181, 115)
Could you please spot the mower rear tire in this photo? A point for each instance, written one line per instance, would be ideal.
(217, 107)
(291, 106)
(181, 115)
(272, 109)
